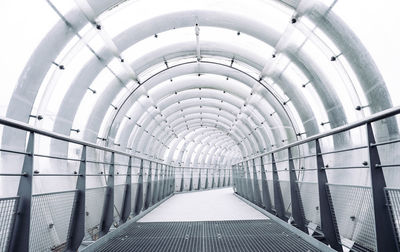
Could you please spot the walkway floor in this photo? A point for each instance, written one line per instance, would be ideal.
(215, 221)
(207, 236)
(212, 205)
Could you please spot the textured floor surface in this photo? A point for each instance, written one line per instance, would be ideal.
(230, 236)
(212, 205)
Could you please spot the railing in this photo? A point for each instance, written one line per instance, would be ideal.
(127, 184)
(355, 209)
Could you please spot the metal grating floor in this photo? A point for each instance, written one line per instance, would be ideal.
(236, 235)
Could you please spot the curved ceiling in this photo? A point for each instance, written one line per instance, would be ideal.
(196, 83)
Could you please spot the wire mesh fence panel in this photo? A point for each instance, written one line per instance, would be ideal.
(354, 214)
(285, 189)
(144, 191)
(8, 207)
(133, 195)
(260, 186)
(186, 184)
(271, 192)
(310, 199)
(393, 200)
(50, 218)
(178, 183)
(118, 200)
(94, 210)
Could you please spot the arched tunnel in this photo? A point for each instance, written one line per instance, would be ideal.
(148, 125)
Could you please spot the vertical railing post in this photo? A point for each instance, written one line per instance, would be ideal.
(147, 201)
(219, 177)
(155, 186)
(239, 180)
(206, 184)
(328, 220)
(265, 189)
(257, 194)
(170, 180)
(173, 179)
(161, 184)
(199, 181)
(191, 180)
(386, 239)
(76, 229)
(127, 199)
(139, 190)
(169, 184)
(229, 177)
(278, 199)
(224, 180)
(250, 191)
(242, 180)
(297, 205)
(165, 185)
(213, 179)
(235, 185)
(19, 235)
(108, 206)
(182, 180)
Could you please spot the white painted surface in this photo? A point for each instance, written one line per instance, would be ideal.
(213, 205)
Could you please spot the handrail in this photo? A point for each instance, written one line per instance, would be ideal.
(372, 118)
(26, 127)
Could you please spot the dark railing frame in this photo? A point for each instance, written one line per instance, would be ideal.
(386, 237)
(163, 186)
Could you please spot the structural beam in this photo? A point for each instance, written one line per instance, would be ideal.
(265, 190)
(385, 237)
(127, 198)
(147, 201)
(108, 206)
(155, 186)
(76, 229)
(257, 194)
(278, 199)
(19, 235)
(328, 221)
(295, 196)
(139, 191)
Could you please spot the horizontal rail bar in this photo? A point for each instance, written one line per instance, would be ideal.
(308, 156)
(60, 158)
(9, 198)
(94, 188)
(392, 189)
(313, 169)
(386, 142)
(52, 193)
(354, 186)
(54, 175)
(343, 150)
(344, 167)
(306, 182)
(375, 117)
(15, 152)
(387, 165)
(11, 174)
(24, 126)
